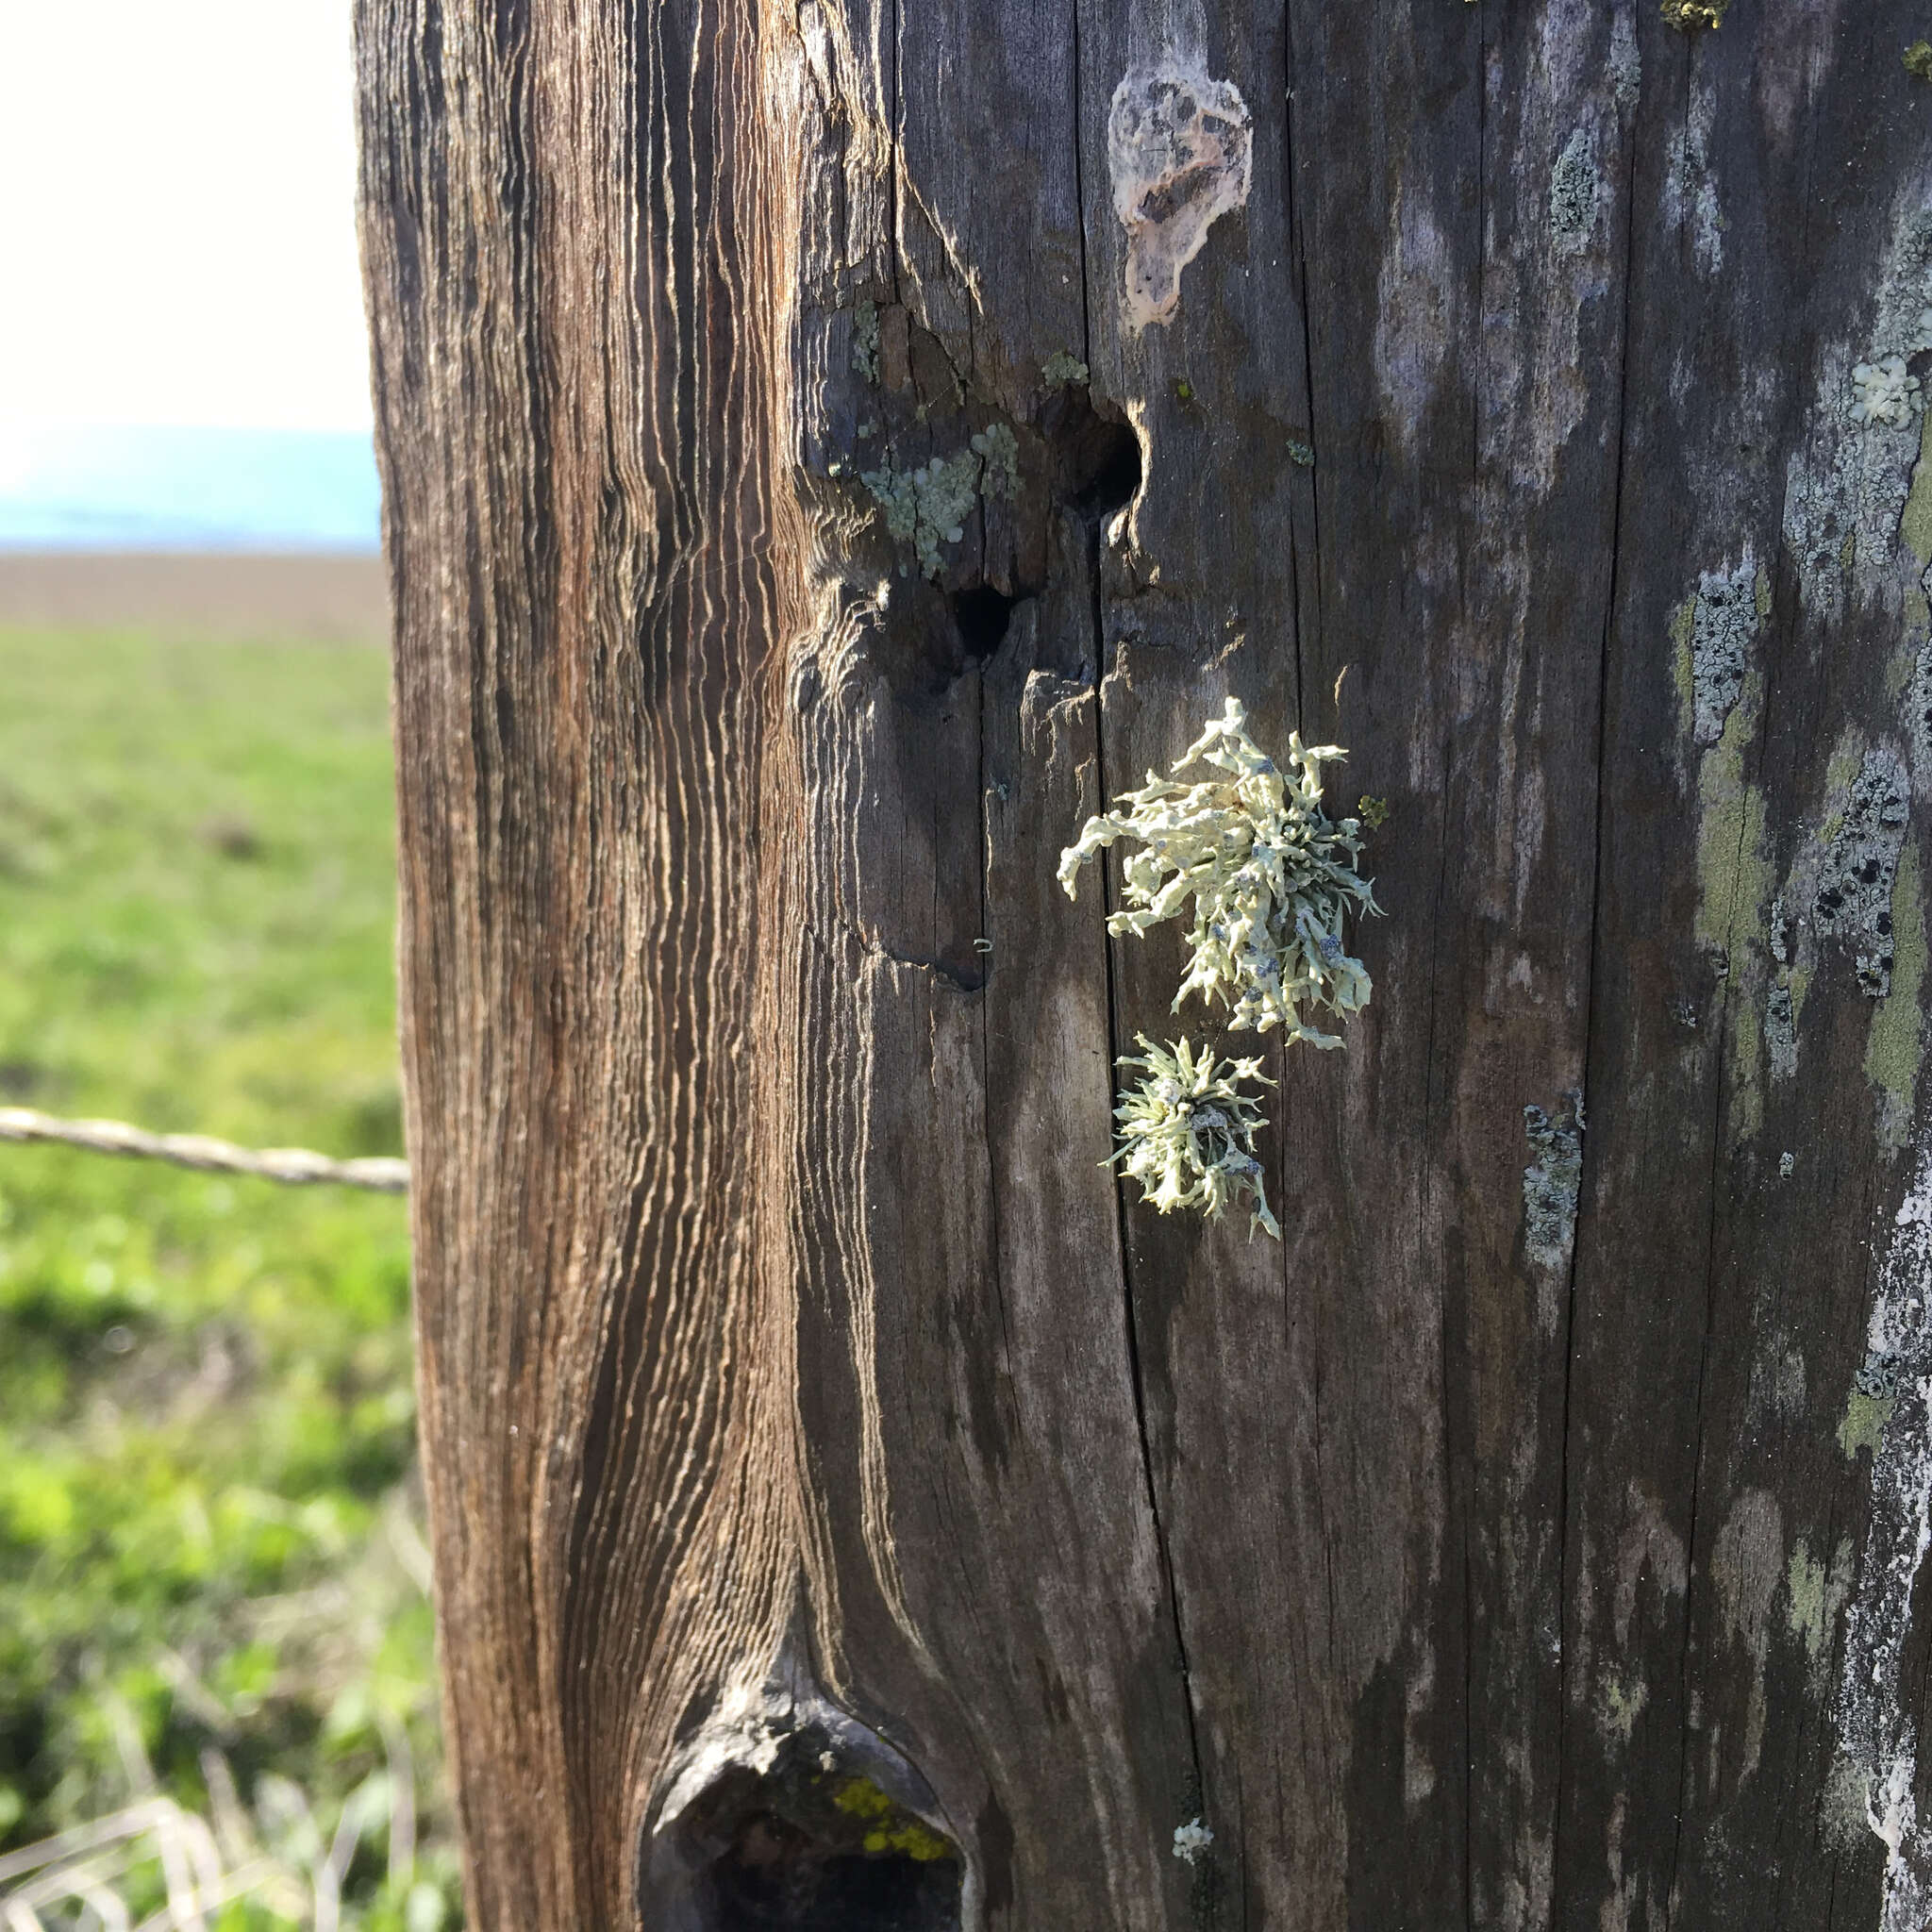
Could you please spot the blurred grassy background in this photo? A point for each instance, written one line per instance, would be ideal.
(209, 1538)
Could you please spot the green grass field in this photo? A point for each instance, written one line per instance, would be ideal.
(208, 1537)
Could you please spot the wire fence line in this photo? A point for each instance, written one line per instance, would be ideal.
(294, 1166)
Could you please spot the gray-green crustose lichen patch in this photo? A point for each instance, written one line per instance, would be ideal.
(929, 506)
(1269, 875)
(1895, 1046)
(998, 448)
(1062, 368)
(1724, 619)
(1855, 880)
(1919, 709)
(1187, 1132)
(1576, 186)
(865, 339)
(1552, 1182)
(1781, 1033)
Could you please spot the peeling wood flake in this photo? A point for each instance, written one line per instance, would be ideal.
(1180, 150)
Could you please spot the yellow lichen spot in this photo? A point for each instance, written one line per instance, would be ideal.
(894, 1829)
(1733, 880)
(1761, 591)
(1805, 1579)
(1682, 626)
(1895, 1045)
(1690, 16)
(1623, 1703)
(1863, 1426)
(1818, 1595)
(860, 1798)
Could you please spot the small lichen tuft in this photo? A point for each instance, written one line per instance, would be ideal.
(1190, 1841)
(1062, 368)
(1187, 1132)
(1552, 1182)
(999, 449)
(1883, 392)
(1270, 876)
(1301, 454)
(1918, 59)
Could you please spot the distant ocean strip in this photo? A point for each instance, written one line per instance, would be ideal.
(88, 488)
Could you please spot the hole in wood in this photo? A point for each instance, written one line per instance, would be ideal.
(806, 1849)
(1099, 461)
(982, 615)
(786, 1814)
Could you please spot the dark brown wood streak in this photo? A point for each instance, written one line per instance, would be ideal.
(850, 1507)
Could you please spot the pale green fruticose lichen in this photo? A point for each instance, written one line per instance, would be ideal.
(1270, 875)
(1191, 1840)
(1062, 368)
(1885, 393)
(1187, 1132)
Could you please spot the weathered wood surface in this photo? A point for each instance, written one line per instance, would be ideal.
(800, 1401)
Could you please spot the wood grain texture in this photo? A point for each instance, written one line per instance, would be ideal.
(802, 1401)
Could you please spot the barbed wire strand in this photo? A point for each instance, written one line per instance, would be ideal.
(294, 1166)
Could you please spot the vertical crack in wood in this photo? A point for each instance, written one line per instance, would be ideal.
(1295, 229)
(1425, 1202)
(1583, 1198)
(1120, 1191)
(1086, 281)
(1450, 1447)
(986, 997)
(1098, 619)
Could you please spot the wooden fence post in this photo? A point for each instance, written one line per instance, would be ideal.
(833, 448)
